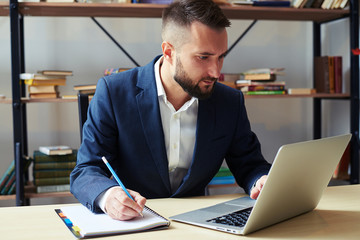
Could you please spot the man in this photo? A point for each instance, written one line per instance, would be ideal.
(167, 127)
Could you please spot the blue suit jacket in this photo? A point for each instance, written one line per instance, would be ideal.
(124, 124)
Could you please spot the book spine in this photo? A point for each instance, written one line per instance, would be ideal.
(338, 74)
(265, 92)
(51, 173)
(331, 75)
(42, 157)
(6, 175)
(53, 188)
(12, 188)
(11, 180)
(266, 88)
(51, 181)
(321, 69)
(54, 165)
(222, 180)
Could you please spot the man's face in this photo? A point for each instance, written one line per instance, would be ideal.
(200, 59)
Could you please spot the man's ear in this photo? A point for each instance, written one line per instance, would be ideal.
(168, 51)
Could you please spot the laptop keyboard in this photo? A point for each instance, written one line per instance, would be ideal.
(237, 218)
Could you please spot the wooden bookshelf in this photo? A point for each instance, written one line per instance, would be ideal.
(39, 9)
(155, 10)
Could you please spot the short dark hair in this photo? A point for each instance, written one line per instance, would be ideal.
(185, 12)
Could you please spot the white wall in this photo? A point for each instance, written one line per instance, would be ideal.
(77, 44)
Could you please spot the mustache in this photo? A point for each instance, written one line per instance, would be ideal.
(209, 78)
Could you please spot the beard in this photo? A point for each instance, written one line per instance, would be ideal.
(193, 89)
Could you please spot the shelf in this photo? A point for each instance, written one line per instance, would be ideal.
(4, 8)
(5, 100)
(30, 192)
(155, 11)
(316, 95)
(47, 100)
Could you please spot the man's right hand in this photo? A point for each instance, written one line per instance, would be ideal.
(120, 207)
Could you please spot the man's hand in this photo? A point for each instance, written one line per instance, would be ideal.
(120, 207)
(259, 184)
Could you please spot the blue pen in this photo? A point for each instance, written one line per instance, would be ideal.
(118, 179)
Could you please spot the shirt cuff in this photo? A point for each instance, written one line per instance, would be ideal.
(101, 199)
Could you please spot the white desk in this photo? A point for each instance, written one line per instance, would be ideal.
(336, 217)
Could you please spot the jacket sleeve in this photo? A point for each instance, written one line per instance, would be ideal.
(90, 176)
(244, 157)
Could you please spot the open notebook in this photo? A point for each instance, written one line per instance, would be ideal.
(83, 223)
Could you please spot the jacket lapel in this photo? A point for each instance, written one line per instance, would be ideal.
(204, 133)
(148, 107)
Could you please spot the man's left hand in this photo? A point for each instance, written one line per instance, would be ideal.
(255, 191)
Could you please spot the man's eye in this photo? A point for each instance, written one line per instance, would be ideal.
(203, 57)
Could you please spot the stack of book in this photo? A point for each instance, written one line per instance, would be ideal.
(44, 84)
(224, 176)
(51, 170)
(328, 74)
(261, 82)
(8, 180)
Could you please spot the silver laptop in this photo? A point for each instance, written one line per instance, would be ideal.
(296, 181)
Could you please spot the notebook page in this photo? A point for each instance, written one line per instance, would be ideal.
(92, 224)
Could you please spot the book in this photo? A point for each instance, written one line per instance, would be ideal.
(42, 157)
(244, 83)
(242, 2)
(51, 173)
(55, 150)
(86, 89)
(54, 165)
(294, 91)
(272, 3)
(321, 69)
(317, 3)
(57, 72)
(83, 223)
(6, 175)
(53, 81)
(9, 183)
(328, 74)
(338, 74)
(265, 92)
(331, 74)
(258, 76)
(51, 181)
(42, 89)
(53, 188)
(297, 3)
(44, 95)
(222, 180)
(40, 79)
(263, 87)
